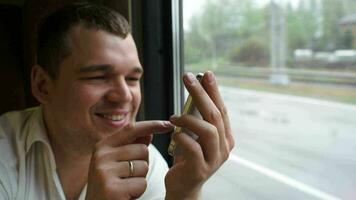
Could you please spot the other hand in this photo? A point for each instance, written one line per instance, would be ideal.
(200, 158)
(119, 162)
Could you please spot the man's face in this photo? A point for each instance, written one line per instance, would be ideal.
(97, 91)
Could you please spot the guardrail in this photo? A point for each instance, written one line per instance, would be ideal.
(299, 75)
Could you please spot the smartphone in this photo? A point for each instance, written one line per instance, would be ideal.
(188, 108)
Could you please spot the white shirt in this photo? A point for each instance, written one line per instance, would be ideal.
(28, 167)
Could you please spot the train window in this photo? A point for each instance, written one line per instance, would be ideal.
(287, 73)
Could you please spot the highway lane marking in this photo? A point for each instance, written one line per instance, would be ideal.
(292, 98)
(283, 178)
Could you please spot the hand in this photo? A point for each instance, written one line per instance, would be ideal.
(199, 159)
(110, 175)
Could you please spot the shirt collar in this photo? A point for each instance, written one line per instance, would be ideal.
(36, 132)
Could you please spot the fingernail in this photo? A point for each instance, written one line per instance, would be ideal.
(173, 118)
(168, 124)
(189, 78)
(210, 77)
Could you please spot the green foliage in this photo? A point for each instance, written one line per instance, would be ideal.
(301, 27)
(252, 52)
(347, 39)
(237, 29)
(193, 55)
(221, 26)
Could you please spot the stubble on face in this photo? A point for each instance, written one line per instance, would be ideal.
(83, 105)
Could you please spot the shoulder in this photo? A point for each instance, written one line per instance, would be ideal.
(13, 133)
(12, 146)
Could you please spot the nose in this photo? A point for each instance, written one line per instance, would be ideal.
(119, 92)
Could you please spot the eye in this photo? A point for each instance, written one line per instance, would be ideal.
(132, 78)
(97, 77)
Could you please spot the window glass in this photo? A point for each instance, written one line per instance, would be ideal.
(287, 73)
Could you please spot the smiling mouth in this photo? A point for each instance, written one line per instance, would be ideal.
(117, 117)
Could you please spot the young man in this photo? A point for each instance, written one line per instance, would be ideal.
(83, 141)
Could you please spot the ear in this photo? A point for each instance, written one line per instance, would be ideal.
(40, 84)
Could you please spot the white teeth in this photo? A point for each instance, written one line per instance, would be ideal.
(113, 117)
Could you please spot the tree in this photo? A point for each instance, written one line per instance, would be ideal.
(252, 52)
(347, 40)
(332, 13)
(301, 26)
(221, 26)
(349, 6)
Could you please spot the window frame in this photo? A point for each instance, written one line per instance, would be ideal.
(157, 30)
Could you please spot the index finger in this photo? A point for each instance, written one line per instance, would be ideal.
(136, 130)
(203, 102)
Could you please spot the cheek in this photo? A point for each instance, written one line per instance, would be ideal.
(82, 98)
(136, 94)
(88, 96)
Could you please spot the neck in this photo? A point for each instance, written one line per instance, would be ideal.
(72, 170)
(68, 147)
(73, 174)
(72, 160)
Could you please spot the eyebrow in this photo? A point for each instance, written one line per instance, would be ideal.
(105, 68)
(94, 68)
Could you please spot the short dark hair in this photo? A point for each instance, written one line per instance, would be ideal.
(52, 41)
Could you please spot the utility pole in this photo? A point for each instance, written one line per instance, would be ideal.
(278, 45)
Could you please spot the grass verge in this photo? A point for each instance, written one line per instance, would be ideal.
(337, 93)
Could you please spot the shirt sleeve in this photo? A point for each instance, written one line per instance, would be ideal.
(155, 178)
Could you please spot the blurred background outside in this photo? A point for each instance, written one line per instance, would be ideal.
(287, 72)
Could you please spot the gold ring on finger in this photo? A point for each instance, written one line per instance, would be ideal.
(131, 166)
